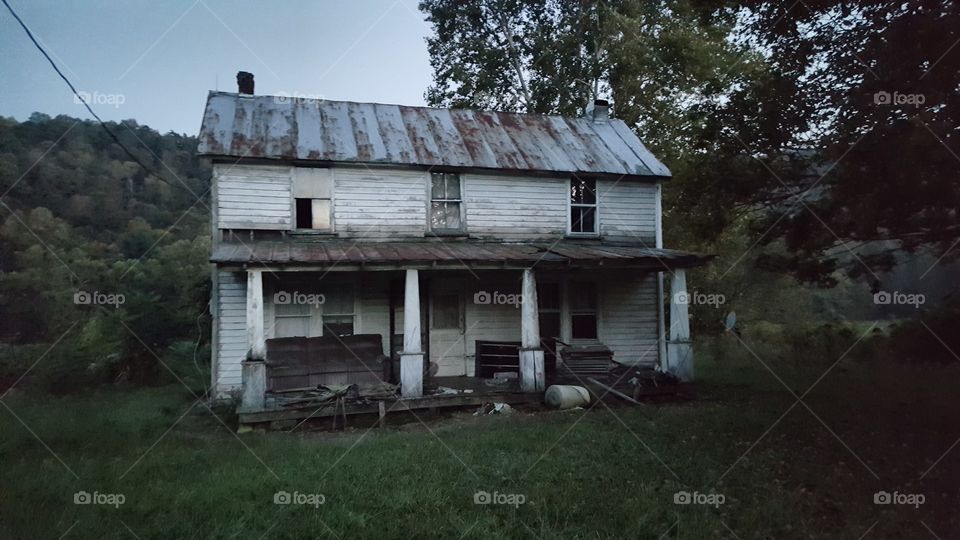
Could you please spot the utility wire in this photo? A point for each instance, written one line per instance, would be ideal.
(77, 94)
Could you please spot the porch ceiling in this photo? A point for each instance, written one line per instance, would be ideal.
(457, 253)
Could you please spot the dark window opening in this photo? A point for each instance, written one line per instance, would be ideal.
(446, 311)
(583, 310)
(548, 304)
(304, 213)
(339, 325)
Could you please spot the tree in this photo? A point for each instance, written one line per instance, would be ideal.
(829, 126)
(881, 80)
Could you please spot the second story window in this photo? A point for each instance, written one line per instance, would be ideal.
(583, 206)
(446, 203)
(312, 199)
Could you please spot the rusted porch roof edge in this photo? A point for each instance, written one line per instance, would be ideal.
(459, 254)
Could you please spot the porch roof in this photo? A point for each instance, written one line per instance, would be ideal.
(457, 253)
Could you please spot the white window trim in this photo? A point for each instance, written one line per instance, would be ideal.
(315, 316)
(595, 206)
(293, 201)
(461, 200)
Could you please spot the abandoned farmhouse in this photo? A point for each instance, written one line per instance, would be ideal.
(369, 243)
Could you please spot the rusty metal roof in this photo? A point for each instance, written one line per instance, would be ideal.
(284, 128)
(456, 253)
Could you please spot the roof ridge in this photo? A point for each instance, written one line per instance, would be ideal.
(431, 107)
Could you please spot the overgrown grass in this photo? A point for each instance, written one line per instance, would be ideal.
(809, 473)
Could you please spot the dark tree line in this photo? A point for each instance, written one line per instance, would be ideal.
(829, 127)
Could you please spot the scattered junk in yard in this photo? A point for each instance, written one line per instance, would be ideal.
(580, 386)
(494, 408)
(563, 396)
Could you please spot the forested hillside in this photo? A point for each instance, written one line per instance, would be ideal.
(98, 254)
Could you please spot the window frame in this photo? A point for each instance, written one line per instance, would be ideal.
(306, 317)
(596, 311)
(294, 192)
(558, 311)
(595, 205)
(460, 308)
(442, 231)
(353, 310)
(315, 315)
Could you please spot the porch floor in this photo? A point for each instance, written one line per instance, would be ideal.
(439, 392)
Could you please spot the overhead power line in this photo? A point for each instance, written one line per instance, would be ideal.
(77, 94)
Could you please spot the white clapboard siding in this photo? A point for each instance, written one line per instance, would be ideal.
(379, 205)
(253, 197)
(628, 322)
(385, 204)
(628, 210)
(231, 313)
(515, 208)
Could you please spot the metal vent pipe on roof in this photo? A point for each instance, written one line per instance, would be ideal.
(598, 110)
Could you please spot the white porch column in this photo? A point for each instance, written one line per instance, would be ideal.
(411, 358)
(255, 335)
(679, 348)
(254, 369)
(532, 378)
(661, 313)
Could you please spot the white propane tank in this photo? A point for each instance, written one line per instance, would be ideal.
(561, 396)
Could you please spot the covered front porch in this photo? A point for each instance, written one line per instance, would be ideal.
(447, 324)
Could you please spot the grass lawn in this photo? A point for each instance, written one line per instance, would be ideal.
(602, 473)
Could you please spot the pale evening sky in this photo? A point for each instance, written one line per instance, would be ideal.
(155, 61)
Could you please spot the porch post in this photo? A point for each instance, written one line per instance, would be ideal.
(532, 378)
(411, 359)
(254, 369)
(679, 348)
(255, 335)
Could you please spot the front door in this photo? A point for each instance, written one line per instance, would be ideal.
(447, 344)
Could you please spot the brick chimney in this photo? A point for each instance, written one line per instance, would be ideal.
(245, 82)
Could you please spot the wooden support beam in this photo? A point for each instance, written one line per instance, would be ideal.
(613, 391)
(255, 334)
(411, 359)
(679, 348)
(679, 309)
(532, 376)
(253, 371)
